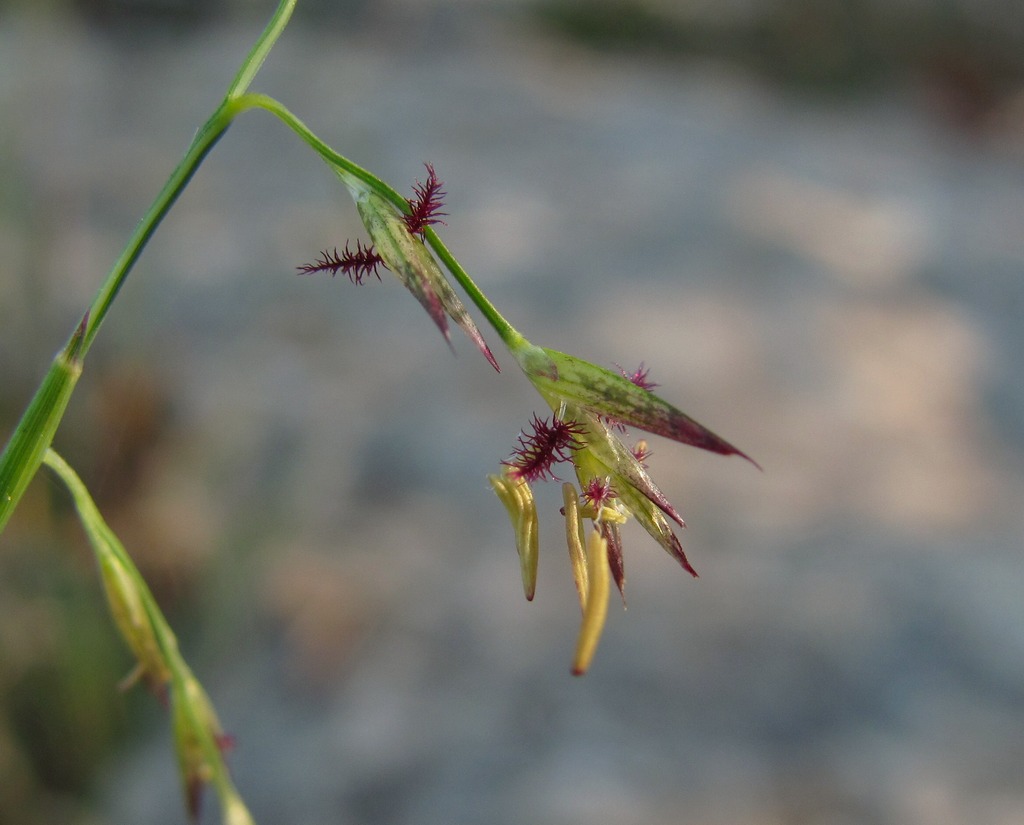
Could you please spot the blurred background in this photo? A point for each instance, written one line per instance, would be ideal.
(806, 217)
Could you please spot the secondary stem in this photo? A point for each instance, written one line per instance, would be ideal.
(286, 116)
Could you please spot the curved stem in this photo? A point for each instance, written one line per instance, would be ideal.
(286, 116)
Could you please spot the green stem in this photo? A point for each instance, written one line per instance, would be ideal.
(24, 451)
(261, 48)
(286, 116)
(509, 335)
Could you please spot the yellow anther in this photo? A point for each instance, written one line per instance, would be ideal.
(516, 495)
(574, 538)
(597, 603)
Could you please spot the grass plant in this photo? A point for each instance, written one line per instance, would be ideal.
(590, 410)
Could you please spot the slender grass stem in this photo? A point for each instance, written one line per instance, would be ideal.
(509, 335)
(28, 444)
(24, 451)
(261, 48)
(333, 159)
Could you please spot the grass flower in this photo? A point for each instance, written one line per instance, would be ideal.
(592, 407)
(547, 444)
(359, 263)
(127, 607)
(397, 244)
(515, 493)
(194, 726)
(425, 207)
